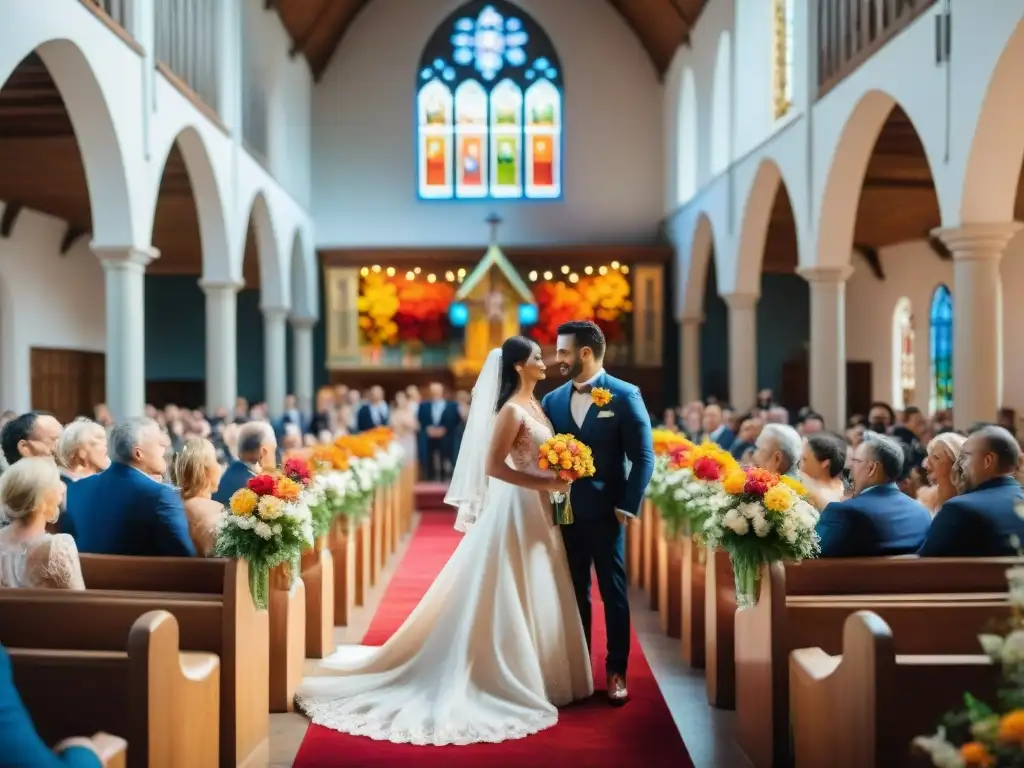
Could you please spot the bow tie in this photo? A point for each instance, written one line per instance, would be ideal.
(583, 389)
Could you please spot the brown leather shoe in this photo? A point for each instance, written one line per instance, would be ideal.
(617, 693)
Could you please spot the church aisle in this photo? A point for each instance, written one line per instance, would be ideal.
(588, 734)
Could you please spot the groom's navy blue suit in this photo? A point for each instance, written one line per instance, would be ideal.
(617, 432)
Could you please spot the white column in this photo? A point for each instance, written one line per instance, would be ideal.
(124, 272)
(977, 318)
(221, 344)
(689, 359)
(275, 361)
(828, 343)
(742, 349)
(302, 361)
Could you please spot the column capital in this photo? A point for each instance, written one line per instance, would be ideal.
(739, 301)
(275, 313)
(302, 321)
(213, 286)
(825, 274)
(127, 257)
(972, 242)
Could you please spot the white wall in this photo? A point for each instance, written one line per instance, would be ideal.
(46, 300)
(364, 189)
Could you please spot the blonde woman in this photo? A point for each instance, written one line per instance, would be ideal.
(31, 493)
(197, 473)
(941, 466)
(82, 450)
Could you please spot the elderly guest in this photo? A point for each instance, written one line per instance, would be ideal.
(940, 464)
(197, 474)
(83, 449)
(778, 449)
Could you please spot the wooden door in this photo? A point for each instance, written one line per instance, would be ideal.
(67, 382)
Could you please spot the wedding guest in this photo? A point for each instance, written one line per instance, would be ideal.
(439, 418)
(811, 423)
(405, 424)
(746, 437)
(984, 520)
(292, 415)
(35, 433)
(228, 450)
(101, 414)
(693, 417)
(291, 440)
(124, 511)
(670, 421)
(715, 429)
(879, 520)
(197, 474)
(323, 415)
(82, 450)
(821, 468)
(778, 449)
(31, 493)
(374, 412)
(257, 452)
(881, 418)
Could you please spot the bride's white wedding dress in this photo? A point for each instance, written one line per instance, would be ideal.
(493, 648)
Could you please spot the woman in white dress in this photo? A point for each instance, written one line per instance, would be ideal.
(497, 643)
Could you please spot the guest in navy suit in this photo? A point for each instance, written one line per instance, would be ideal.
(257, 452)
(123, 510)
(880, 519)
(983, 521)
(619, 433)
(439, 420)
(374, 412)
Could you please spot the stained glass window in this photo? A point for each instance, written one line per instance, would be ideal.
(489, 107)
(782, 54)
(940, 320)
(904, 370)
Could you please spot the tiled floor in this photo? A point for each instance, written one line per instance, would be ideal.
(707, 732)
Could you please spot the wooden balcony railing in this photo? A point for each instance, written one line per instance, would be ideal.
(119, 11)
(188, 35)
(850, 31)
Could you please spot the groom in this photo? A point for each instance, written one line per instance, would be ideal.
(619, 432)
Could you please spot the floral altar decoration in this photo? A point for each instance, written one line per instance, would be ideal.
(765, 518)
(983, 735)
(686, 485)
(396, 309)
(603, 298)
(268, 523)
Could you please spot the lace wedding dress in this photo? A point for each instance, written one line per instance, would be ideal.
(493, 648)
(44, 561)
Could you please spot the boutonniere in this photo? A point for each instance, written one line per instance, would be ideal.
(600, 396)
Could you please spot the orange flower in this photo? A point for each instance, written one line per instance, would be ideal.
(1011, 727)
(600, 396)
(975, 755)
(357, 446)
(287, 489)
(330, 457)
(664, 441)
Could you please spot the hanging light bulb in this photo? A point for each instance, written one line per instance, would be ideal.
(548, 275)
(588, 271)
(449, 276)
(410, 275)
(565, 269)
(417, 270)
(574, 278)
(625, 269)
(376, 267)
(391, 271)
(602, 271)
(364, 271)
(533, 276)
(431, 278)
(462, 273)
(615, 265)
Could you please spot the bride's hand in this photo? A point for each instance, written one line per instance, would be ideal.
(554, 485)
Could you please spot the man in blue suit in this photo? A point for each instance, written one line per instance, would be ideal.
(619, 433)
(257, 452)
(985, 519)
(123, 510)
(374, 412)
(439, 421)
(879, 520)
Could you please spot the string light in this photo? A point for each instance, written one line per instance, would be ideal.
(376, 267)
(565, 269)
(417, 270)
(534, 275)
(602, 271)
(548, 275)
(462, 273)
(391, 271)
(431, 278)
(574, 278)
(410, 275)
(449, 276)
(364, 271)
(588, 271)
(615, 265)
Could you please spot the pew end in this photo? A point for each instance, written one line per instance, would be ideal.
(116, 753)
(863, 708)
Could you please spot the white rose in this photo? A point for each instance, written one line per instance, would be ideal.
(762, 527)
(736, 522)
(263, 530)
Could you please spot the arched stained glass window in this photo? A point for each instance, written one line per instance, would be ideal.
(489, 107)
(903, 366)
(940, 321)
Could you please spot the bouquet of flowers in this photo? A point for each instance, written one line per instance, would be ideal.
(569, 460)
(766, 519)
(268, 523)
(981, 735)
(687, 484)
(665, 439)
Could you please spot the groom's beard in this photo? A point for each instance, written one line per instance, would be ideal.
(574, 370)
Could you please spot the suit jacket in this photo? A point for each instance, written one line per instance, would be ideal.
(623, 436)
(21, 744)
(364, 417)
(121, 511)
(450, 420)
(235, 476)
(979, 523)
(877, 522)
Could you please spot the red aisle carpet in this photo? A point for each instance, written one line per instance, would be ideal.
(590, 734)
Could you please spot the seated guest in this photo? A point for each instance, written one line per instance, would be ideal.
(778, 449)
(941, 467)
(879, 520)
(982, 521)
(715, 429)
(746, 437)
(197, 474)
(30, 496)
(83, 450)
(32, 434)
(292, 415)
(124, 511)
(821, 468)
(374, 412)
(257, 452)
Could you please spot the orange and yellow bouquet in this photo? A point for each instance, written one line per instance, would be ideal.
(569, 460)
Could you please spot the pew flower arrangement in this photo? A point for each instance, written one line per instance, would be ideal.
(765, 519)
(984, 736)
(687, 484)
(268, 523)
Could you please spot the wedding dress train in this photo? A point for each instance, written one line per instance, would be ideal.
(494, 646)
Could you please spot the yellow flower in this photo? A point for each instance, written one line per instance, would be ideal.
(544, 464)
(243, 502)
(552, 457)
(735, 482)
(796, 485)
(778, 498)
(975, 755)
(559, 446)
(600, 396)
(566, 464)
(1011, 727)
(271, 507)
(287, 489)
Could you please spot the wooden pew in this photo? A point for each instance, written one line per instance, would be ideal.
(926, 623)
(693, 566)
(634, 550)
(215, 613)
(342, 540)
(649, 520)
(364, 560)
(719, 630)
(319, 580)
(287, 613)
(670, 581)
(376, 537)
(863, 709)
(167, 703)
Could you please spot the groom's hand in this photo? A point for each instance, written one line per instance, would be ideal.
(622, 517)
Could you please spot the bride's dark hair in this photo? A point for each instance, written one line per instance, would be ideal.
(515, 351)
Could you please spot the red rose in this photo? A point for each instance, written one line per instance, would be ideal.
(262, 485)
(297, 470)
(706, 468)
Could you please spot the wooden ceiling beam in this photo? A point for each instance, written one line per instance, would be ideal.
(11, 211)
(71, 236)
(299, 43)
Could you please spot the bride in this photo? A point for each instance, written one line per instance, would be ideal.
(496, 644)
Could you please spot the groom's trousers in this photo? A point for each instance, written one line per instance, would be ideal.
(598, 538)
